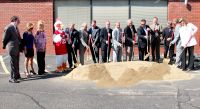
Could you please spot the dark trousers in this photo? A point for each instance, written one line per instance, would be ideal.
(41, 62)
(105, 52)
(95, 53)
(190, 51)
(82, 50)
(71, 55)
(155, 49)
(129, 53)
(171, 51)
(142, 53)
(14, 63)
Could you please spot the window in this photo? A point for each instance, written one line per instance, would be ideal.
(73, 11)
(113, 10)
(148, 9)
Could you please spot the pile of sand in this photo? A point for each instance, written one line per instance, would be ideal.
(127, 73)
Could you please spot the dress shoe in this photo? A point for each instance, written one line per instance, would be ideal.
(33, 72)
(184, 69)
(179, 66)
(13, 81)
(42, 73)
(189, 70)
(170, 63)
(158, 61)
(45, 72)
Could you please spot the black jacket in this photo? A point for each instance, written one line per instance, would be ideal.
(142, 41)
(11, 39)
(74, 36)
(128, 35)
(155, 34)
(104, 37)
(95, 33)
(167, 33)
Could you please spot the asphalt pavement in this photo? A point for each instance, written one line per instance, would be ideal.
(52, 91)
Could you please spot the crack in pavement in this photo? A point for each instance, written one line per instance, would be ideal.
(179, 95)
(33, 99)
(194, 106)
(191, 103)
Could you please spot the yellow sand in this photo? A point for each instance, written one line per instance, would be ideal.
(127, 73)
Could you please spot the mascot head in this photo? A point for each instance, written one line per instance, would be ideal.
(58, 24)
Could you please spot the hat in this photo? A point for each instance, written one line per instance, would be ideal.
(58, 22)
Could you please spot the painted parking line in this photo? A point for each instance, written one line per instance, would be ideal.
(4, 66)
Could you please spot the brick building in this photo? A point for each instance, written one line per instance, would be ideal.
(79, 11)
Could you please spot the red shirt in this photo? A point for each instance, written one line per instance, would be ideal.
(60, 47)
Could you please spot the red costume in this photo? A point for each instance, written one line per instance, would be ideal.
(60, 46)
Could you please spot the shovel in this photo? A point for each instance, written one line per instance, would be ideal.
(148, 50)
(77, 62)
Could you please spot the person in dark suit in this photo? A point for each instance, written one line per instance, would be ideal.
(105, 38)
(156, 31)
(94, 41)
(11, 41)
(73, 41)
(168, 36)
(130, 36)
(143, 33)
(83, 36)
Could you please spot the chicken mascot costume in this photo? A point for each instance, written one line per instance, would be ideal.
(59, 41)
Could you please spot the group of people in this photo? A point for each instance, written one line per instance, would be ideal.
(27, 46)
(16, 44)
(69, 41)
(178, 33)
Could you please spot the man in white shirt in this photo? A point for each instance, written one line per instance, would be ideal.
(188, 41)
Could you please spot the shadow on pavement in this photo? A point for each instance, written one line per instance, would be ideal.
(197, 65)
(51, 74)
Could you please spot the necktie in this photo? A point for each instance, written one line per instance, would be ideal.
(118, 35)
(172, 34)
(108, 32)
(132, 32)
(17, 30)
(69, 40)
(156, 30)
(146, 32)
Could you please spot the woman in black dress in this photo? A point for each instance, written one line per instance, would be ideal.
(28, 40)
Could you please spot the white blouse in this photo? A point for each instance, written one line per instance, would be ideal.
(187, 35)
